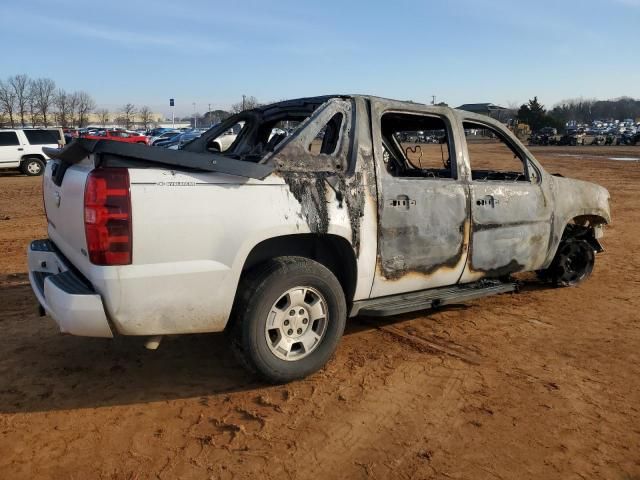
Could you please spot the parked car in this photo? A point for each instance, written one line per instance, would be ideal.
(158, 131)
(277, 243)
(225, 140)
(176, 143)
(118, 136)
(23, 148)
(163, 136)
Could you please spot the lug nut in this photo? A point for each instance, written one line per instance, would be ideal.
(289, 332)
(305, 320)
(301, 312)
(292, 313)
(299, 331)
(286, 322)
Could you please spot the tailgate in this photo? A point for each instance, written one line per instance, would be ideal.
(64, 207)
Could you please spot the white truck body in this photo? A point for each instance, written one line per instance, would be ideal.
(195, 233)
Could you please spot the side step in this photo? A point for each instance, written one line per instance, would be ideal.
(424, 299)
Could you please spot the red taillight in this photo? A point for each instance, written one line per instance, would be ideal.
(107, 216)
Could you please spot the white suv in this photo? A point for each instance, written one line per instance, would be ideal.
(22, 148)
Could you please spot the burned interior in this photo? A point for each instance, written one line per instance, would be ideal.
(494, 157)
(263, 132)
(416, 145)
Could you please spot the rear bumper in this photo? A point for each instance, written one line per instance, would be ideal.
(65, 297)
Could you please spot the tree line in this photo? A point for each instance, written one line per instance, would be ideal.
(26, 101)
(39, 102)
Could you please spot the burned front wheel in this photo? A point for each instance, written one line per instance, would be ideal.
(572, 264)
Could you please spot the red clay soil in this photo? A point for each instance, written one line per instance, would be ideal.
(540, 384)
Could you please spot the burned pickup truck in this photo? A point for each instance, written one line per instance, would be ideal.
(282, 237)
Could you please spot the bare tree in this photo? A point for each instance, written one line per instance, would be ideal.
(43, 96)
(64, 113)
(20, 86)
(146, 116)
(7, 102)
(84, 106)
(103, 116)
(247, 103)
(128, 112)
(121, 121)
(33, 108)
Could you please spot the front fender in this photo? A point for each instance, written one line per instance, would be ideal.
(576, 199)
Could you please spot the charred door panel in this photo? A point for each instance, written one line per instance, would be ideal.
(423, 221)
(511, 215)
(421, 231)
(510, 229)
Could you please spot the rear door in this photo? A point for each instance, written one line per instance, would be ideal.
(510, 211)
(10, 149)
(422, 199)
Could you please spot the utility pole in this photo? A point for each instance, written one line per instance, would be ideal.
(433, 99)
(195, 119)
(172, 104)
(243, 100)
(209, 113)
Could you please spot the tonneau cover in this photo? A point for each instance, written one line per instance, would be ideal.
(82, 147)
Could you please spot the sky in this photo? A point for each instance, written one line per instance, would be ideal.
(211, 52)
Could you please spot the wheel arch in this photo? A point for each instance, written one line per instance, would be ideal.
(28, 156)
(332, 251)
(581, 225)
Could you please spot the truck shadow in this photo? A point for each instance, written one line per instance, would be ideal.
(42, 370)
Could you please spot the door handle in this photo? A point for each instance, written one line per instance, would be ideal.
(20, 149)
(487, 201)
(402, 202)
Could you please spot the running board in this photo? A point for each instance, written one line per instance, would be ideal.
(424, 299)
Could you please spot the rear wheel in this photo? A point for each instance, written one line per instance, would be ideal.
(288, 318)
(573, 263)
(32, 166)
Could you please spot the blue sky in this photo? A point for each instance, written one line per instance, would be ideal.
(501, 51)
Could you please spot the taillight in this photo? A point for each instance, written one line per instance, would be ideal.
(107, 216)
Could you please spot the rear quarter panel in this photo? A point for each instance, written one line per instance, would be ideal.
(192, 233)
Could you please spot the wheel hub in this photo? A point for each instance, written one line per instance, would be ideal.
(296, 323)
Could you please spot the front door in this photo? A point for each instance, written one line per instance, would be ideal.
(510, 212)
(423, 213)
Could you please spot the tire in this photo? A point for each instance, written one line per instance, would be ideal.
(573, 263)
(292, 293)
(32, 166)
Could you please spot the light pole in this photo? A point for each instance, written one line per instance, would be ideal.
(209, 113)
(195, 119)
(243, 100)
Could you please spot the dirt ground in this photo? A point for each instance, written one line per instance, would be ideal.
(540, 384)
